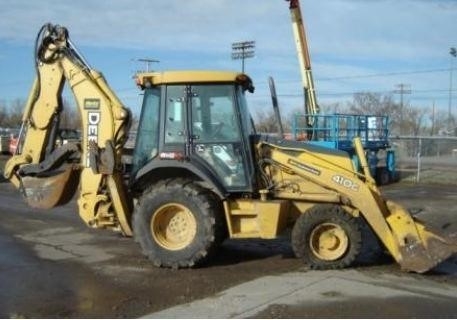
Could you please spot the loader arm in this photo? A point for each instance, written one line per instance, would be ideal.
(328, 176)
(48, 175)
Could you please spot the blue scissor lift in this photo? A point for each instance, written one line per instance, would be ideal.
(338, 130)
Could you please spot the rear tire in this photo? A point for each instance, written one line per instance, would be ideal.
(326, 237)
(178, 223)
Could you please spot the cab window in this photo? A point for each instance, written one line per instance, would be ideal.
(148, 129)
(216, 133)
(175, 114)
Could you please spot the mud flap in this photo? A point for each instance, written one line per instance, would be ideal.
(52, 189)
(420, 248)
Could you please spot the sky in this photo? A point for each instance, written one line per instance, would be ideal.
(355, 45)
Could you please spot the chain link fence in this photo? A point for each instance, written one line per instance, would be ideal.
(426, 159)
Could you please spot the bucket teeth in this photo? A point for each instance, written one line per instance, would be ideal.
(51, 190)
(433, 249)
(415, 246)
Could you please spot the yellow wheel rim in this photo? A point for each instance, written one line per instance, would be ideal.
(329, 241)
(173, 226)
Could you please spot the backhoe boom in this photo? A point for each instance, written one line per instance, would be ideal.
(48, 175)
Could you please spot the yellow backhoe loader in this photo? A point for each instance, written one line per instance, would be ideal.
(200, 172)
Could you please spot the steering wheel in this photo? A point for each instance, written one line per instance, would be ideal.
(216, 130)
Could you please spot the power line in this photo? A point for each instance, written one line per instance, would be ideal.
(346, 93)
(360, 76)
(371, 75)
(384, 74)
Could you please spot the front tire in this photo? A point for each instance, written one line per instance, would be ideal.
(177, 223)
(326, 237)
(382, 176)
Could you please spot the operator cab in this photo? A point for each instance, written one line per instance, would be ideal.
(195, 121)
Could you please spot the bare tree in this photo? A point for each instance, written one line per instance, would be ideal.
(11, 115)
(3, 113)
(379, 105)
(15, 111)
(70, 118)
(414, 121)
(373, 103)
(266, 122)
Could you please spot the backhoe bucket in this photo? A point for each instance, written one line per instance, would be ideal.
(420, 248)
(53, 189)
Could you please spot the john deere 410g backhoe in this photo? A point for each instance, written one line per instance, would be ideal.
(200, 172)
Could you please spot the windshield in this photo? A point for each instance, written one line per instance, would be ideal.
(147, 136)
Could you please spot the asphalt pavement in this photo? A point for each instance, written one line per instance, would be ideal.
(53, 266)
(326, 294)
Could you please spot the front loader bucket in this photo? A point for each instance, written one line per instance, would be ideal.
(420, 248)
(50, 190)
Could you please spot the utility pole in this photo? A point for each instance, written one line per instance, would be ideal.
(243, 50)
(148, 62)
(402, 90)
(453, 53)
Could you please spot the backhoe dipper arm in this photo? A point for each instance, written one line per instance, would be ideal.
(47, 175)
(301, 43)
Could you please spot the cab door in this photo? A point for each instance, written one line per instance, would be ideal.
(216, 134)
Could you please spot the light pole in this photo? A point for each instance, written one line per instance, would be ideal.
(453, 53)
(243, 50)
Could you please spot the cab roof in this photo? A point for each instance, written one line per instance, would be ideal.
(146, 79)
